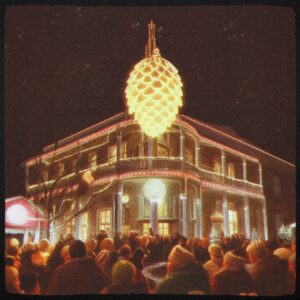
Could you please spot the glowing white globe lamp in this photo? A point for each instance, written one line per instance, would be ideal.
(155, 191)
(17, 214)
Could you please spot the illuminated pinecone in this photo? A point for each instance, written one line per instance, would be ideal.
(154, 93)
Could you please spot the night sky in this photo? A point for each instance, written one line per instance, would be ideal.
(66, 68)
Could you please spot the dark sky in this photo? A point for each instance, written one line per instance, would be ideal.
(66, 69)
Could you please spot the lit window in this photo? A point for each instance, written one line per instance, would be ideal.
(162, 151)
(188, 153)
(217, 166)
(92, 158)
(230, 170)
(112, 153)
(163, 208)
(104, 219)
(83, 227)
(233, 224)
(146, 227)
(163, 228)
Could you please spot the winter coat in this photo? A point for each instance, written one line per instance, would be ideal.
(270, 276)
(78, 276)
(192, 277)
(232, 281)
(134, 288)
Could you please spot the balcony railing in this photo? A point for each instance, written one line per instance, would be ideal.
(162, 163)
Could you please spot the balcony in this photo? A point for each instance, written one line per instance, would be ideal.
(159, 163)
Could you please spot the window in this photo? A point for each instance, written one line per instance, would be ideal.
(162, 151)
(217, 166)
(233, 223)
(112, 152)
(276, 186)
(60, 169)
(84, 227)
(104, 219)
(162, 208)
(70, 226)
(163, 228)
(146, 227)
(92, 158)
(230, 170)
(188, 153)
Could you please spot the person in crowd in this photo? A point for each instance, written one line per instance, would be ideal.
(65, 254)
(138, 261)
(44, 246)
(215, 263)
(125, 252)
(90, 246)
(123, 280)
(13, 242)
(105, 257)
(101, 236)
(271, 245)
(29, 283)
(283, 253)
(183, 274)
(232, 279)
(293, 246)
(267, 271)
(201, 252)
(292, 273)
(78, 276)
(39, 266)
(12, 282)
(15, 252)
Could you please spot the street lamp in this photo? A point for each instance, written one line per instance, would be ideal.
(155, 191)
(17, 214)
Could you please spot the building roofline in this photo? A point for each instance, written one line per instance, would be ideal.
(236, 139)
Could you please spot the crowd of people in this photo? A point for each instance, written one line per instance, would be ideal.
(121, 265)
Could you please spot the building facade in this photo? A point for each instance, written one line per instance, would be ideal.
(94, 180)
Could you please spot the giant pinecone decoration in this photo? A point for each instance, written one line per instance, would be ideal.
(154, 93)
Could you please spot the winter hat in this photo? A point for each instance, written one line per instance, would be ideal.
(215, 250)
(123, 272)
(234, 261)
(283, 253)
(179, 257)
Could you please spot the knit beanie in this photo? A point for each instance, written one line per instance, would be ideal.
(283, 253)
(234, 261)
(215, 250)
(179, 257)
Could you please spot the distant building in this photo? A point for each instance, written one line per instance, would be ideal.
(206, 171)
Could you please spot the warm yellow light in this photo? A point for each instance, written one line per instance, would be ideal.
(154, 93)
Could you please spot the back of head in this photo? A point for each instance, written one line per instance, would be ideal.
(234, 261)
(123, 272)
(28, 281)
(180, 257)
(215, 250)
(65, 253)
(28, 247)
(91, 244)
(257, 250)
(77, 249)
(44, 245)
(283, 253)
(125, 251)
(14, 242)
(38, 259)
(271, 245)
(107, 244)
